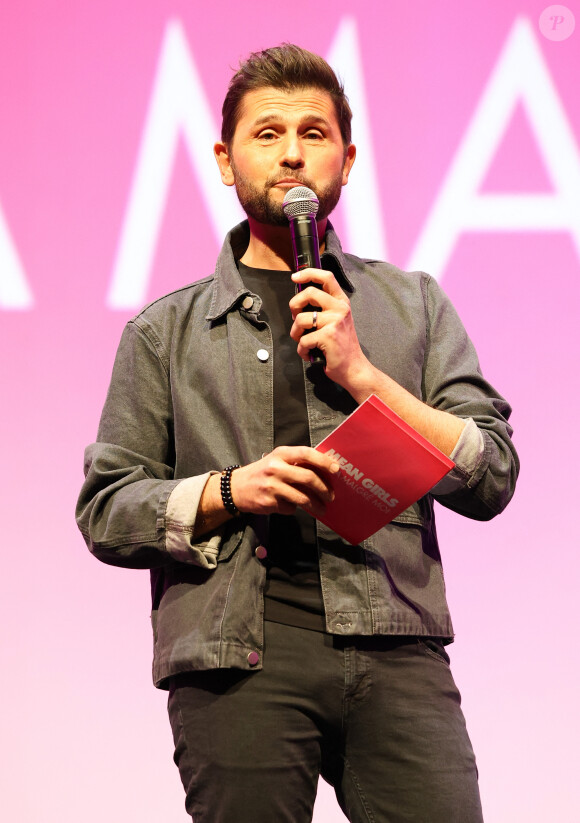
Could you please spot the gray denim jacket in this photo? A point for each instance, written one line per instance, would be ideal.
(189, 395)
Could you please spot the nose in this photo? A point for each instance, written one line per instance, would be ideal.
(292, 156)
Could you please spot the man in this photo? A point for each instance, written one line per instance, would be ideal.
(286, 651)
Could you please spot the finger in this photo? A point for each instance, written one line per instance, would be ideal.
(311, 297)
(308, 321)
(298, 466)
(307, 343)
(307, 456)
(319, 276)
(310, 471)
(298, 333)
(312, 482)
(310, 502)
(326, 279)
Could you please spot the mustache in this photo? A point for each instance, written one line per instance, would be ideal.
(300, 180)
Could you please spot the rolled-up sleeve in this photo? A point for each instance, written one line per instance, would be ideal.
(180, 525)
(131, 510)
(487, 464)
(466, 455)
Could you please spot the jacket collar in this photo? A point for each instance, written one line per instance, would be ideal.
(228, 287)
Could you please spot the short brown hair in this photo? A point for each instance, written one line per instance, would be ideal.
(286, 67)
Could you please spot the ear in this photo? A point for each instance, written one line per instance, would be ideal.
(222, 157)
(348, 161)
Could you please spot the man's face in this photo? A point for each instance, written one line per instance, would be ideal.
(284, 139)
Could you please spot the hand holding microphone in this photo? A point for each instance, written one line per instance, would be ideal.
(344, 361)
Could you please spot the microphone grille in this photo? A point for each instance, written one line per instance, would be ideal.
(300, 200)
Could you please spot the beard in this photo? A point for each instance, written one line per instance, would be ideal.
(259, 204)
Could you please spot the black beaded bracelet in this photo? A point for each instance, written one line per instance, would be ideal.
(226, 490)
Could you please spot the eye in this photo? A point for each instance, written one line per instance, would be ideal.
(314, 134)
(267, 135)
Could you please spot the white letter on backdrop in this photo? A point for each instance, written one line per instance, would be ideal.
(178, 107)
(520, 74)
(360, 199)
(14, 290)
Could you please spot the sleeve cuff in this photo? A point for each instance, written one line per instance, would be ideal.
(180, 516)
(466, 455)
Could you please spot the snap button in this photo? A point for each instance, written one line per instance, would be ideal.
(261, 552)
(247, 302)
(342, 627)
(253, 658)
(263, 355)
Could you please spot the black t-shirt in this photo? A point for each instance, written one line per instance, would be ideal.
(293, 595)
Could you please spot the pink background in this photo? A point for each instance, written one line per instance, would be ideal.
(84, 734)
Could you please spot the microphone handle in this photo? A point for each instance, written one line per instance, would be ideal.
(304, 234)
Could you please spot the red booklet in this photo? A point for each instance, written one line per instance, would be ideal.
(385, 467)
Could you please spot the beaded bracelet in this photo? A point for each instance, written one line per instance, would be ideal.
(226, 490)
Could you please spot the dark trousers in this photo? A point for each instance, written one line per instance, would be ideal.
(379, 718)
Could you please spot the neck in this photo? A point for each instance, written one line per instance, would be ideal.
(270, 247)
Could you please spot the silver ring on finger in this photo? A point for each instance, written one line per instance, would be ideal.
(314, 321)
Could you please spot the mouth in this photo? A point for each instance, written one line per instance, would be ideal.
(288, 182)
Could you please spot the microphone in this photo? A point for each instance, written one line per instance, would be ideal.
(300, 207)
